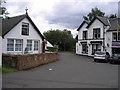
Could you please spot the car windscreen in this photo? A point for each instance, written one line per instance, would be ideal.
(116, 55)
(100, 53)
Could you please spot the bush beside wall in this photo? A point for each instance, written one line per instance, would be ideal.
(28, 61)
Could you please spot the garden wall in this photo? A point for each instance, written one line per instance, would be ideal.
(28, 61)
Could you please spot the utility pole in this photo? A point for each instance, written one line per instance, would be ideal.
(119, 9)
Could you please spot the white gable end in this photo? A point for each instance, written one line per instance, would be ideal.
(95, 24)
(80, 32)
(16, 33)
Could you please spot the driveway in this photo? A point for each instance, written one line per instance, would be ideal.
(71, 71)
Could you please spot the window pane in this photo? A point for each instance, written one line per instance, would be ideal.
(10, 45)
(114, 36)
(29, 45)
(25, 29)
(18, 45)
(10, 41)
(119, 36)
(96, 33)
(35, 45)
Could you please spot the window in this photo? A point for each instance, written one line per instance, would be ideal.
(18, 45)
(84, 48)
(84, 35)
(96, 47)
(35, 45)
(25, 28)
(29, 45)
(10, 45)
(114, 36)
(96, 33)
(118, 36)
(14, 44)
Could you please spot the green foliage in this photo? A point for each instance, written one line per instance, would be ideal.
(7, 69)
(94, 12)
(63, 39)
(52, 49)
(3, 10)
(112, 16)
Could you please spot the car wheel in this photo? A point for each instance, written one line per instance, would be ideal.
(106, 60)
(95, 60)
(111, 62)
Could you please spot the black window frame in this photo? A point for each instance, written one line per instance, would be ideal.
(96, 33)
(115, 37)
(84, 48)
(25, 28)
(84, 35)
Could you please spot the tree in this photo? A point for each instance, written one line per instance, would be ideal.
(112, 16)
(94, 12)
(63, 39)
(3, 10)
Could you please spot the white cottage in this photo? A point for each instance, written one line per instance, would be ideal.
(20, 35)
(98, 35)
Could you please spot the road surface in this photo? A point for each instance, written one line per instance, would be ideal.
(71, 71)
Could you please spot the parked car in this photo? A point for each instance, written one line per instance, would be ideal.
(115, 58)
(101, 56)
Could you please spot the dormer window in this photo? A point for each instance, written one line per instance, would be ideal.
(25, 28)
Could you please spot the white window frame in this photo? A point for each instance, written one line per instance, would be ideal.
(9, 43)
(36, 45)
(29, 45)
(84, 35)
(14, 45)
(20, 44)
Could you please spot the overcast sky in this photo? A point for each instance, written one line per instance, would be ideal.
(59, 14)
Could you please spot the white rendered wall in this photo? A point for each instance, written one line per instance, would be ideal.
(80, 32)
(95, 24)
(80, 37)
(0, 51)
(15, 33)
(108, 40)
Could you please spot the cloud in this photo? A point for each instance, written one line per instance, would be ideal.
(69, 14)
(16, 7)
(59, 14)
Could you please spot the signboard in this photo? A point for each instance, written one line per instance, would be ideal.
(115, 43)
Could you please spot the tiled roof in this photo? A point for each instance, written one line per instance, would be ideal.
(9, 23)
(112, 22)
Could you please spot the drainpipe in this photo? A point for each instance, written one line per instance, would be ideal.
(104, 38)
(43, 46)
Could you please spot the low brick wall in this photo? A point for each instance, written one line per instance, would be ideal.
(28, 61)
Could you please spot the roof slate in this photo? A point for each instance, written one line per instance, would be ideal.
(9, 23)
(101, 19)
(112, 22)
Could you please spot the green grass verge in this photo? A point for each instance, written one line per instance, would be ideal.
(7, 69)
(67, 52)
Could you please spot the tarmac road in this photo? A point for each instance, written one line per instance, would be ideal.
(71, 71)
